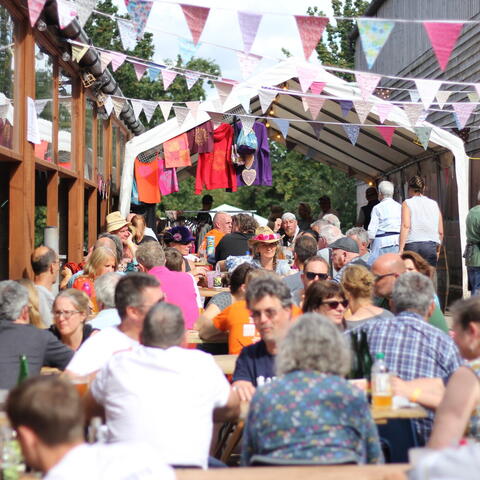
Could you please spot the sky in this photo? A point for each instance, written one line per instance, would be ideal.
(277, 29)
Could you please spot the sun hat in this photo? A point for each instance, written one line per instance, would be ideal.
(264, 235)
(115, 221)
(179, 235)
(345, 243)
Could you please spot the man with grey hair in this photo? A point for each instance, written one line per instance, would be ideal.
(290, 229)
(472, 252)
(360, 235)
(105, 292)
(384, 226)
(422, 356)
(19, 337)
(327, 235)
(164, 395)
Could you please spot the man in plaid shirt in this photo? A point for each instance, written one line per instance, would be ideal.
(422, 356)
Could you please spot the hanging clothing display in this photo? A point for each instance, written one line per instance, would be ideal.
(146, 176)
(200, 139)
(177, 152)
(215, 169)
(167, 178)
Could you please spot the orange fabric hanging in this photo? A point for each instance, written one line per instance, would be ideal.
(146, 176)
(177, 152)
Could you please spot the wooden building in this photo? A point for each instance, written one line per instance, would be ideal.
(74, 172)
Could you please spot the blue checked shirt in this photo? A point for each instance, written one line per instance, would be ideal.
(413, 349)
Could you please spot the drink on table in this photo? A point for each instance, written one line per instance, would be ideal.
(23, 371)
(381, 387)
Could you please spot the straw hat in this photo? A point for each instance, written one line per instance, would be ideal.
(264, 235)
(115, 222)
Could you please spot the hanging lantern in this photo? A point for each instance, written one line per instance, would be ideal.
(101, 99)
(88, 79)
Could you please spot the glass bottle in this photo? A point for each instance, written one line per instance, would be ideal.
(381, 387)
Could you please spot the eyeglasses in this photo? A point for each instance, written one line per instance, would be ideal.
(313, 275)
(269, 313)
(379, 277)
(335, 303)
(66, 313)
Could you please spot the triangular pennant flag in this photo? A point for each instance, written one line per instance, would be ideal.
(427, 90)
(35, 8)
(443, 37)
(247, 123)
(414, 95)
(168, 76)
(217, 118)
(118, 104)
(317, 128)
(78, 51)
(128, 34)
(153, 74)
(373, 34)
(181, 114)
(283, 125)
(442, 97)
(105, 59)
(137, 108)
(314, 104)
(40, 105)
(346, 106)
(352, 132)
(108, 105)
(383, 110)
(139, 69)
(477, 88)
(306, 76)
(149, 109)
(66, 13)
(423, 134)
(191, 78)
(310, 29)
(317, 87)
(305, 104)
(266, 97)
(139, 11)
(367, 82)
(117, 60)
(165, 107)
(196, 18)
(187, 49)
(84, 10)
(193, 107)
(387, 133)
(473, 97)
(249, 23)
(223, 89)
(413, 112)
(463, 111)
(248, 62)
(363, 109)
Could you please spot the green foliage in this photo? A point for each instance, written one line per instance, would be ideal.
(40, 224)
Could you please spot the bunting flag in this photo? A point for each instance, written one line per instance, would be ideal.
(473, 97)
(139, 11)
(423, 134)
(282, 125)
(84, 10)
(383, 111)
(181, 114)
(128, 34)
(193, 108)
(137, 108)
(248, 62)
(477, 88)
(317, 128)
(223, 89)
(413, 112)
(35, 8)
(427, 90)
(217, 118)
(306, 76)
(78, 51)
(105, 59)
(443, 37)
(165, 107)
(118, 104)
(168, 76)
(40, 105)
(363, 109)
(346, 106)
(117, 60)
(187, 49)
(305, 104)
(414, 95)
(387, 133)
(463, 111)
(149, 108)
(352, 132)
(442, 97)
(66, 13)
(153, 74)
(139, 69)
(196, 18)
(317, 87)
(314, 104)
(108, 105)
(311, 30)
(191, 79)
(266, 97)
(247, 123)
(373, 35)
(367, 82)
(249, 23)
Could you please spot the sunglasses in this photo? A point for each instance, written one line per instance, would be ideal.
(313, 275)
(335, 303)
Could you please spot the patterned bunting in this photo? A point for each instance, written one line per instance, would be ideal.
(363, 109)
(383, 110)
(283, 125)
(78, 51)
(118, 104)
(193, 108)
(463, 111)
(387, 133)
(249, 23)
(217, 118)
(248, 63)
(165, 107)
(423, 134)
(317, 128)
(367, 82)
(108, 105)
(35, 8)
(181, 114)
(139, 69)
(442, 97)
(443, 37)
(247, 122)
(266, 97)
(346, 106)
(311, 30)
(414, 95)
(168, 76)
(137, 108)
(413, 112)
(105, 59)
(128, 34)
(352, 132)
(149, 108)
(196, 18)
(317, 87)
(306, 76)
(427, 90)
(84, 10)
(153, 74)
(66, 13)
(223, 89)
(139, 11)
(314, 104)
(191, 79)
(373, 34)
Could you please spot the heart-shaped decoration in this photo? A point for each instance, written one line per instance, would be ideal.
(249, 175)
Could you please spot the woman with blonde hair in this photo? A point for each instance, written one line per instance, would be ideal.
(138, 231)
(357, 283)
(266, 250)
(33, 303)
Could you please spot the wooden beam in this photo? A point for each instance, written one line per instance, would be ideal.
(91, 194)
(52, 199)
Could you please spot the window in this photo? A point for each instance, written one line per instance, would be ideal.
(100, 159)
(114, 157)
(65, 120)
(89, 140)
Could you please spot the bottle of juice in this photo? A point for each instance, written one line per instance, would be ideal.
(381, 388)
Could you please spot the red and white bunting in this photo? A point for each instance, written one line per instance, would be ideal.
(165, 107)
(311, 30)
(367, 82)
(139, 70)
(383, 110)
(427, 89)
(463, 111)
(117, 60)
(387, 133)
(35, 8)
(168, 76)
(196, 18)
(249, 23)
(266, 97)
(363, 109)
(306, 76)
(443, 37)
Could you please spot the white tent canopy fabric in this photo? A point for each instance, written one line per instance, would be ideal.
(224, 207)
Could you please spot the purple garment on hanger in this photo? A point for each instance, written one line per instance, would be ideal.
(167, 178)
(261, 162)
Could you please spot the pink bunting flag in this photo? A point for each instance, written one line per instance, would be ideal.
(193, 107)
(311, 30)
(387, 133)
(249, 23)
(196, 18)
(248, 63)
(117, 60)
(317, 87)
(66, 13)
(463, 111)
(363, 109)
(367, 82)
(427, 90)
(443, 37)
(139, 70)
(383, 110)
(105, 59)
(314, 104)
(168, 77)
(191, 79)
(306, 76)
(35, 8)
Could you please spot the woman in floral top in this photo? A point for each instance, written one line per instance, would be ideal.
(309, 413)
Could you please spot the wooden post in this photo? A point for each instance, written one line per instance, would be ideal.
(92, 215)
(52, 199)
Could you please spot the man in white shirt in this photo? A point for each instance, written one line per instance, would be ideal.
(135, 294)
(384, 226)
(48, 416)
(164, 394)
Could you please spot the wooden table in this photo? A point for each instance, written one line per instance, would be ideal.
(211, 292)
(382, 415)
(226, 363)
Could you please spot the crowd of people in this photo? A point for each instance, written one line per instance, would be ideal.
(298, 289)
